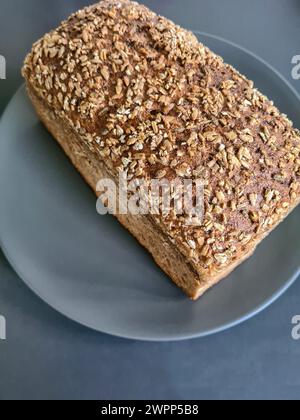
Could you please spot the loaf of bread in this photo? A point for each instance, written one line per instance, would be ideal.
(122, 89)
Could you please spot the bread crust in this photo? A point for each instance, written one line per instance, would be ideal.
(167, 257)
(104, 111)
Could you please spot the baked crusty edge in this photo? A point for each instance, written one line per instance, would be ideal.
(165, 254)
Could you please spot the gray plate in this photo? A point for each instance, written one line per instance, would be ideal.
(90, 269)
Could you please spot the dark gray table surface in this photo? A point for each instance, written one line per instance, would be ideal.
(47, 356)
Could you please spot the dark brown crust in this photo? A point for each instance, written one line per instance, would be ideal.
(170, 260)
(136, 88)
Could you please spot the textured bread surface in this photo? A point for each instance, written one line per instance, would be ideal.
(121, 88)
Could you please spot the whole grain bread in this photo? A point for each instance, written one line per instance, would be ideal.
(121, 88)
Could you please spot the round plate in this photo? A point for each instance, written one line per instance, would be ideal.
(90, 269)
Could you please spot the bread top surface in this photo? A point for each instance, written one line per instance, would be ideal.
(150, 99)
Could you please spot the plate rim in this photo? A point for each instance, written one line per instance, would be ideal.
(165, 337)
